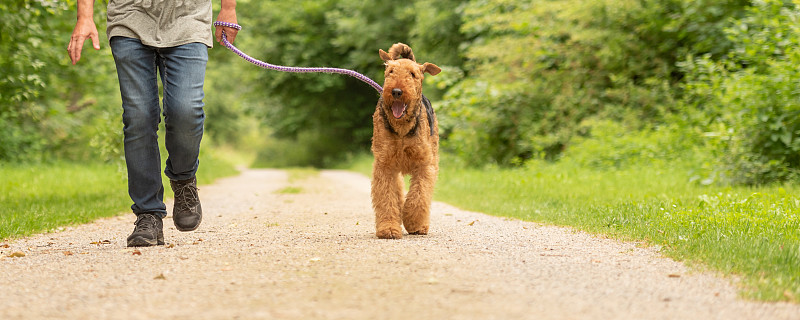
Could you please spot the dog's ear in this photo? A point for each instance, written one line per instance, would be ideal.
(430, 68)
(384, 56)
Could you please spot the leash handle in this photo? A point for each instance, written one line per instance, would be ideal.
(270, 66)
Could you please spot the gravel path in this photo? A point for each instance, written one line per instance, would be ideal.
(264, 254)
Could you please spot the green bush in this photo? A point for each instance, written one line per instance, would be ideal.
(50, 109)
(605, 144)
(25, 59)
(748, 101)
(536, 70)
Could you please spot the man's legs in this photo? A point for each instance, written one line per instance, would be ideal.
(137, 71)
(183, 70)
(183, 73)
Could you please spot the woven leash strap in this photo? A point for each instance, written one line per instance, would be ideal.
(270, 66)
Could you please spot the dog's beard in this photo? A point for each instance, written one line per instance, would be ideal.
(398, 109)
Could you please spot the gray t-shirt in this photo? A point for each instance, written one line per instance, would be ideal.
(161, 23)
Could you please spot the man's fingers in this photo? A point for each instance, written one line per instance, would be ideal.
(95, 41)
(75, 46)
(84, 28)
(218, 33)
(231, 34)
(75, 49)
(69, 52)
(76, 55)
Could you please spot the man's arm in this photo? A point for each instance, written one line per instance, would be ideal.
(84, 28)
(227, 14)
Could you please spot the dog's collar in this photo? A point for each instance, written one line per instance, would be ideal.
(428, 108)
(389, 127)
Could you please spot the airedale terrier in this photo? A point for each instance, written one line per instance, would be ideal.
(405, 140)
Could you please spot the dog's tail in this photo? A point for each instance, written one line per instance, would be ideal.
(401, 50)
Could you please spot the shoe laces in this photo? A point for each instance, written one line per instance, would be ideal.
(185, 194)
(145, 225)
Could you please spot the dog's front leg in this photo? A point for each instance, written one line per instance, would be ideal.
(417, 207)
(387, 199)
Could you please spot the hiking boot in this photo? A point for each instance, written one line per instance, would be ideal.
(187, 212)
(149, 231)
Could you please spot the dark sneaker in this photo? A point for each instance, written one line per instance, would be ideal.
(187, 212)
(149, 231)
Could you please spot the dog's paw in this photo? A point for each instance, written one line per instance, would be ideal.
(389, 234)
(421, 231)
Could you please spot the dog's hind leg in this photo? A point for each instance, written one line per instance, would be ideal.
(417, 208)
(387, 199)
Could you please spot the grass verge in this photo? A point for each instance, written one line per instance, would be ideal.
(750, 232)
(290, 190)
(43, 197)
(38, 198)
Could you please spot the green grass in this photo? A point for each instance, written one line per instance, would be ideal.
(290, 190)
(750, 232)
(297, 174)
(43, 197)
(39, 198)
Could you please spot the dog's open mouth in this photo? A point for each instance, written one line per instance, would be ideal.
(398, 109)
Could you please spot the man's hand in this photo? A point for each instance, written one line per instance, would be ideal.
(84, 28)
(227, 14)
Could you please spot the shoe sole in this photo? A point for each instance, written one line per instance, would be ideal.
(144, 242)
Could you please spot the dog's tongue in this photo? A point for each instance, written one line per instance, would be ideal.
(397, 109)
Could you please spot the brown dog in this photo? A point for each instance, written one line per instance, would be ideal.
(405, 140)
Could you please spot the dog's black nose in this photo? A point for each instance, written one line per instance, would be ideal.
(396, 92)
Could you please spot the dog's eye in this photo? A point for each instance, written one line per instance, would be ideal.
(414, 75)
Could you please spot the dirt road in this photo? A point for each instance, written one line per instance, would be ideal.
(311, 253)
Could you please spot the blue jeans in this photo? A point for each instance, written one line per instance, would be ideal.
(182, 70)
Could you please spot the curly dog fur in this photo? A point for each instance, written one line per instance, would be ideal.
(405, 140)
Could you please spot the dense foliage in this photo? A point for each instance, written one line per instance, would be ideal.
(609, 83)
(48, 109)
(538, 70)
(748, 100)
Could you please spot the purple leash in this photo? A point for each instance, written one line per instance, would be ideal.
(270, 66)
